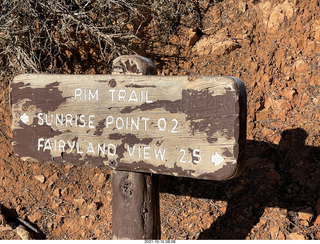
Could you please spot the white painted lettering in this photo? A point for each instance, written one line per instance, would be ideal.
(127, 123)
(47, 122)
(145, 123)
(77, 94)
(90, 148)
(40, 119)
(90, 123)
(82, 121)
(112, 150)
(159, 152)
(132, 123)
(196, 156)
(162, 124)
(119, 125)
(76, 121)
(71, 146)
(146, 152)
(47, 145)
(136, 124)
(112, 94)
(129, 96)
(173, 130)
(40, 145)
(132, 151)
(102, 149)
(59, 120)
(182, 160)
(62, 145)
(147, 98)
(93, 95)
(109, 121)
(69, 119)
(84, 94)
(78, 148)
(121, 95)
(133, 97)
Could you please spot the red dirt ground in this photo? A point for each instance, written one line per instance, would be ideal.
(274, 47)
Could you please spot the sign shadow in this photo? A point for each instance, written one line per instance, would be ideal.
(285, 176)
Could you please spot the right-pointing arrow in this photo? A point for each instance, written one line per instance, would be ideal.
(217, 159)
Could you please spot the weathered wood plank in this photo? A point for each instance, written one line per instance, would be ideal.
(182, 126)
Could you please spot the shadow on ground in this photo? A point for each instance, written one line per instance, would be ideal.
(284, 176)
(13, 220)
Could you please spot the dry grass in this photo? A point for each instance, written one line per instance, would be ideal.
(34, 34)
(41, 36)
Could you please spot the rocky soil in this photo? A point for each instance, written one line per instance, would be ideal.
(274, 47)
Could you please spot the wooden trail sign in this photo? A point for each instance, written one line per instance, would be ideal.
(182, 126)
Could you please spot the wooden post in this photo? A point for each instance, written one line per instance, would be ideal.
(135, 200)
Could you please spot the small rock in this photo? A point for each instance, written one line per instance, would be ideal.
(304, 223)
(238, 189)
(57, 192)
(304, 100)
(262, 115)
(3, 221)
(40, 178)
(69, 166)
(100, 178)
(36, 216)
(306, 215)
(93, 206)
(301, 66)
(65, 191)
(281, 236)
(79, 201)
(50, 225)
(53, 178)
(282, 105)
(22, 233)
(243, 6)
(296, 236)
(217, 45)
(223, 208)
(193, 36)
(84, 217)
(5, 228)
(55, 204)
(266, 78)
(275, 15)
(317, 221)
(288, 93)
(274, 177)
(274, 231)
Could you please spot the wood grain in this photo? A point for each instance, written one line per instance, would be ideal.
(182, 126)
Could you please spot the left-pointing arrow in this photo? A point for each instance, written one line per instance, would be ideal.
(24, 118)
